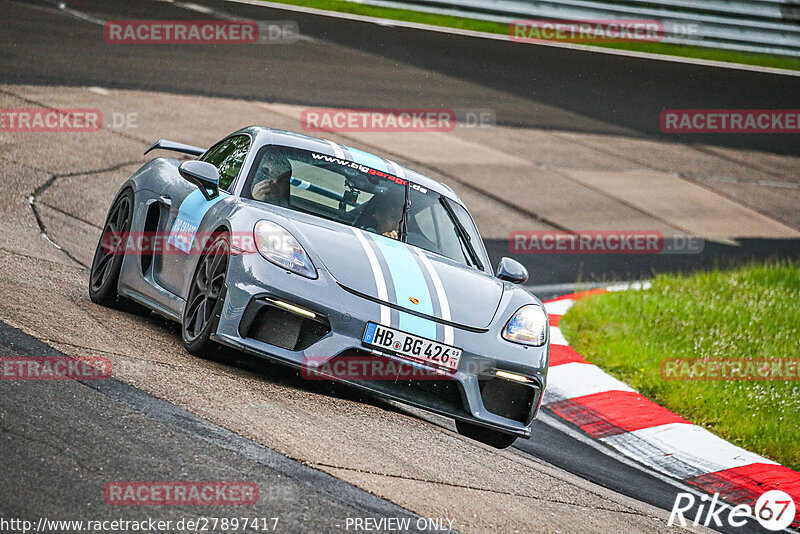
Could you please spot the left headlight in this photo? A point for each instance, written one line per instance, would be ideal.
(527, 326)
(280, 247)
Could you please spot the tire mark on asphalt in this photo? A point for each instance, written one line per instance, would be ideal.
(70, 215)
(46, 185)
(43, 187)
(43, 232)
(29, 257)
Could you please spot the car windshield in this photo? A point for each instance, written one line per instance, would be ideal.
(366, 198)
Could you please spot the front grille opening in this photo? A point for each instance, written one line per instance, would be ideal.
(444, 395)
(286, 330)
(506, 398)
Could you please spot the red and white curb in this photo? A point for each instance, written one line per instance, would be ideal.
(610, 411)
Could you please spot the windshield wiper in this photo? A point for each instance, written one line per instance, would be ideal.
(463, 236)
(404, 216)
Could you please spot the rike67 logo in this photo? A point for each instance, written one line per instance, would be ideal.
(774, 510)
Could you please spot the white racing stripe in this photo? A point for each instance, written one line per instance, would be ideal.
(571, 380)
(558, 307)
(682, 450)
(444, 305)
(397, 170)
(337, 150)
(377, 273)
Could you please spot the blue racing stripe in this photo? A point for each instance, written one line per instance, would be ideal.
(409, 282)
(370, 160)
(190, 215)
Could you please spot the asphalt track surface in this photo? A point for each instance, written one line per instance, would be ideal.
(626, 102)
(56, 454)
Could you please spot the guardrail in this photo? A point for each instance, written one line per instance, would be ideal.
(763, 26)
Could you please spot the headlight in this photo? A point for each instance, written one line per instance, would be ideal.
(280, 247)
(528, 326)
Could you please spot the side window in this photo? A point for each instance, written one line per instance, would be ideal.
(228, 157)
(425, 224)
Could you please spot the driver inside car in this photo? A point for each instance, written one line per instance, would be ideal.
(271, 182)
(382, 216)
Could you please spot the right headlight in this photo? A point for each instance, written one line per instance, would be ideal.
(527, 326)
(277, 245)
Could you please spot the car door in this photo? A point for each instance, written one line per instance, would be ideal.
(187, 209)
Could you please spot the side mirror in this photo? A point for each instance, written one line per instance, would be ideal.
(203, 174)
(512, 271)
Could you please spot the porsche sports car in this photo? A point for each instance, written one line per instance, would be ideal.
(315, 254)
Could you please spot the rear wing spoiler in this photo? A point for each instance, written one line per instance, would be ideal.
(165, 144)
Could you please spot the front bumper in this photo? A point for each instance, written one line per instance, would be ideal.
(474, 393)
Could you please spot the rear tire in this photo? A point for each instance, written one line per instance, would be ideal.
(107, 262)
(493, 438)
(205, 298)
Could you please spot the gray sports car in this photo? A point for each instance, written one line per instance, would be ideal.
(338, 262)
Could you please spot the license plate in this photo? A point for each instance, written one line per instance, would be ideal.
(412, 347)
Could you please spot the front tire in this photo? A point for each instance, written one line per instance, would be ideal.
(107, 262)
(205, 298)
(493, 438)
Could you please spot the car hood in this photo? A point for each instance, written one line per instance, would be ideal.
(402, 275)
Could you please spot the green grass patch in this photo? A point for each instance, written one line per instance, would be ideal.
(448, 21)
(749, 312)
